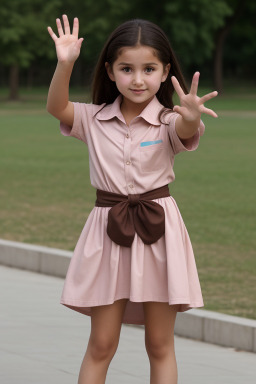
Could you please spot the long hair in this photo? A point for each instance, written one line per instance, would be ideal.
(130, 34)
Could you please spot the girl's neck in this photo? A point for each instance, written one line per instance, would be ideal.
(130, 110)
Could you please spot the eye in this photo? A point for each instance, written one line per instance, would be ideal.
(149, 69)
(126, 69)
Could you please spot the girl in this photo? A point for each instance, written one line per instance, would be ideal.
(133, 262)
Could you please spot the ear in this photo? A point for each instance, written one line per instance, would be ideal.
(109, 71)
(166, 72)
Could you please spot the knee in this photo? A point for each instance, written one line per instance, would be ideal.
(158, 348)
(102, 348)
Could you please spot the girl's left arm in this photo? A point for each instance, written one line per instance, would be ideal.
(190, 109)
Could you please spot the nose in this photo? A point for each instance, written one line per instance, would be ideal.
(138, 78)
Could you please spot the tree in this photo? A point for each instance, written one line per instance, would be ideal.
(239, 55)
(197, 30)
(193, 25)
(236, 11)
(23, 35)
(97, 19)
(190, 25)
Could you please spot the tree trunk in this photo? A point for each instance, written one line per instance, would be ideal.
(30, 77)
(220, 40)
(218, 59)
(14, 82)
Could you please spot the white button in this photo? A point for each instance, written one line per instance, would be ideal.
(131, 185)
(127, 135)
(128, 162)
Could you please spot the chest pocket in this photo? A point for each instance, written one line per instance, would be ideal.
(152, 155)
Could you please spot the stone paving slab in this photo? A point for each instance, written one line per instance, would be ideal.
(44, 342)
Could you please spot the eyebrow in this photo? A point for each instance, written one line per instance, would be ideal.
(132, 64)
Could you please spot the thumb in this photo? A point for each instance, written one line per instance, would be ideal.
(177, 109)
(79, 42)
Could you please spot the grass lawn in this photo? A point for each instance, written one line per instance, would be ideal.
(46, 196)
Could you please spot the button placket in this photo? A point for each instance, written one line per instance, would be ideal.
(127, 162)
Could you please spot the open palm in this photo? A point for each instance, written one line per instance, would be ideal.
(68, 44)
(192, 106)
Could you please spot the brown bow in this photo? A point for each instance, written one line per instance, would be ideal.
(134, 213)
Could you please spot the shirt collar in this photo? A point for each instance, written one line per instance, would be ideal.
(150, 113)
(110, 111)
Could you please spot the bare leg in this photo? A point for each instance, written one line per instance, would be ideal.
(103, 342)
(159, 341)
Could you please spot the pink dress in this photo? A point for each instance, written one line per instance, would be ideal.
(131, 159)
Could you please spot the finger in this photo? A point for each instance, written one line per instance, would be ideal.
(209, 112)
(208, 97)
(66, 25)
(194, 84)
(79, 42)
(52, 34)
(75, 27)
(78, 45)
(177, 87)
(59, 27)
(178, 109)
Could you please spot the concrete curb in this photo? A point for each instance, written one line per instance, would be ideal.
(203, 325)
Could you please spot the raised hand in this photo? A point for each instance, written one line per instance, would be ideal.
(191, 106)
(67, 44)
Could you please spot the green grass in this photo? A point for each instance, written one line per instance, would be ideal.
(46, 196)
(215, 191)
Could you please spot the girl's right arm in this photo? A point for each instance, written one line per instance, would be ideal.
(68, 49)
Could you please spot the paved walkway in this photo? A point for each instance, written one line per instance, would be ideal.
(42, 341)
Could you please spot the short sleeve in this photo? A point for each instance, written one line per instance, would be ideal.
(79, 128)
(178, 144)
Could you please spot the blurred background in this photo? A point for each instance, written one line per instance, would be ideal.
(45, 191)
(217, 37)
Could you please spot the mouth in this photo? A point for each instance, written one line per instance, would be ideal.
(138, 91)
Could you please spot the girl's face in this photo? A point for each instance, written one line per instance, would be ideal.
(138, 74)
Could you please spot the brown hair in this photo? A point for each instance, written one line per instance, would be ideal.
(129, 34)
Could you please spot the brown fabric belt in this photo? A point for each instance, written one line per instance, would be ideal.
(134, 213)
